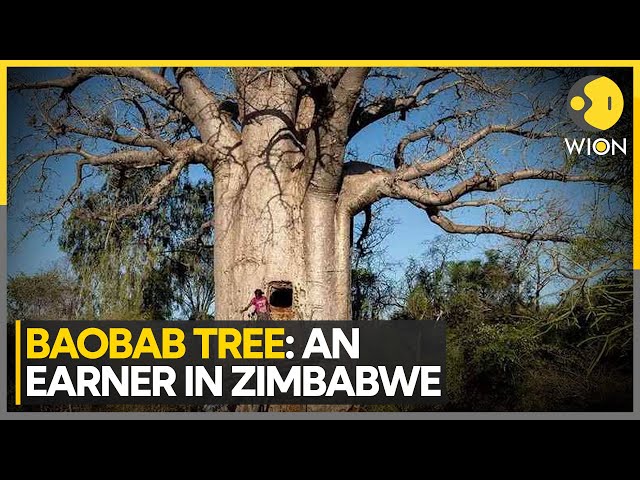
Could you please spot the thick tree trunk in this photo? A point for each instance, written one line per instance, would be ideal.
(273, 230)
(276, 242)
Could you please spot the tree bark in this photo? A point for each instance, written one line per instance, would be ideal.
(272, 224)
(271, 238)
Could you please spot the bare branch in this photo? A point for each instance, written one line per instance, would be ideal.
(381, 108)
(449, 226)
(366, 227)
(491, 183)
(24, 162)
(336, 75)
(348, 89)
(183, 153)
(330, 76)
(148, 77)
(365, 184)
(393, 188)
(121, 159)
(193, 98)
(68, 198)
(507, 205)
(422, 169)
(361, 186)
(398, 158)
(135, 140)
(582, 278)
(293, 78)
(67, 84)
(150, 199)
(325, 145)
(398, 189)
(203, 108)
(149, 129)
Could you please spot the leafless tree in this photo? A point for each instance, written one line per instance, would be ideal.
(285, 188)
(372, 286)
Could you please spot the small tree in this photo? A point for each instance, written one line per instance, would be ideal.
(153, 266)
(372, 292)
(49, 295)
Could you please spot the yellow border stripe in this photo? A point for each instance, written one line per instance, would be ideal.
(636, 167)
(319, 63)
(18, 355)
(3, 135)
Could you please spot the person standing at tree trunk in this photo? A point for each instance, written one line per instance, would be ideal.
(260, 304)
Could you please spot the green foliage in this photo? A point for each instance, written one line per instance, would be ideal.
(150, 267)
(506, 354)
(49, 295)
(418, 305)
(486, 364)
(597, 318)
(500, 347)
(112, 289)
(472, 290)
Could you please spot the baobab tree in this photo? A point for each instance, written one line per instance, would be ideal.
(276, 144)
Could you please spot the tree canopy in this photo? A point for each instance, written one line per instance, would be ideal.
(137, 120)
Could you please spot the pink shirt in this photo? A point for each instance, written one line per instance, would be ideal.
(260, 304)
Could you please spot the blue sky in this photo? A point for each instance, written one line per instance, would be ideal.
(412, 232)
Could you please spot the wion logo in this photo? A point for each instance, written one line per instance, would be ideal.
(595, 103)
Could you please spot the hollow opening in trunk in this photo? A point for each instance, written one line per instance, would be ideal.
(281, 294)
